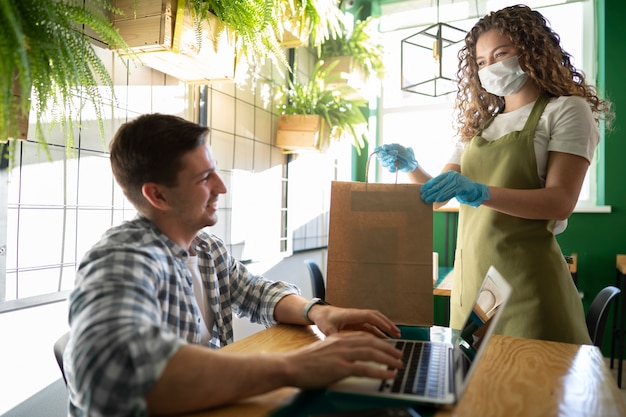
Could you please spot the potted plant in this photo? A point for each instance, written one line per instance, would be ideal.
(179, 38)
(43, 50)
(264, 27)
(254, 23)
(313, 113)
(203, 40)
(358, 53)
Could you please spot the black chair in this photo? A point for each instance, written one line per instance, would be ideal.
(59, 348)
(598, 313)
(572, 263)
(317, 279)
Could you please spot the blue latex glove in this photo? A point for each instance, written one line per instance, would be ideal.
(452, 184)
(395, 156)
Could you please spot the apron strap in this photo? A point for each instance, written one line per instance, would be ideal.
(536, 112)
(533, 119)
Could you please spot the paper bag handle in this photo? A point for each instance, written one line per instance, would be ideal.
(367, 168)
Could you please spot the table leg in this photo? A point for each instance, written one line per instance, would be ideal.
(620, 333)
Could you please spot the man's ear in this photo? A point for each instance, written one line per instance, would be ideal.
(152, 193)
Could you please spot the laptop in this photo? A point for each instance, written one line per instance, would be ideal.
(437, 373)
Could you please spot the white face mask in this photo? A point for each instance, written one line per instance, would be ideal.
(503, 78)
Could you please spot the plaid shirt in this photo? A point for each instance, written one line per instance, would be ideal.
(133, 308)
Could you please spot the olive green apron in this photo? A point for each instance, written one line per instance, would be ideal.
(545, 303)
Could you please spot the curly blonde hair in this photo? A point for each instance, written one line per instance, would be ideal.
(546, 63)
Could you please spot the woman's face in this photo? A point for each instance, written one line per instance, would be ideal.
(493, 46)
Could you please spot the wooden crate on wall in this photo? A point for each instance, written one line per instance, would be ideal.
(164, 36)
(299, 132)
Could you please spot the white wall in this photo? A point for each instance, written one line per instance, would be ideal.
(27, 363)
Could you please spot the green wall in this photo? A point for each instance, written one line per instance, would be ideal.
(598, 238)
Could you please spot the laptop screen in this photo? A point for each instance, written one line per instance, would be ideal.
(490, 301)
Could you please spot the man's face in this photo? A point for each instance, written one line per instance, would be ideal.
(193, 201)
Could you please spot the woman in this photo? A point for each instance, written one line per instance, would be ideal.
(527, 122)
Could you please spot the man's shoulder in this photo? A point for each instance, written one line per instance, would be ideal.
(132, 235)
(134, 231)
(205, 237)
(126, 247)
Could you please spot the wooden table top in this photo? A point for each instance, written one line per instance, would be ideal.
(445, 287)
(517, 377)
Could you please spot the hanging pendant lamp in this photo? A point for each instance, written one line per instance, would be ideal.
(429, 61)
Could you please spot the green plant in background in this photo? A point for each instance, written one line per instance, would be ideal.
(342, 114)
(259, 24)
(317, 20)
(255, 23)
(361, 44)
(43, 50)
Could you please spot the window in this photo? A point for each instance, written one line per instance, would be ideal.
(53, 211)
(425, 123)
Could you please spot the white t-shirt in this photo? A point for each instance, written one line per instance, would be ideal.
(566, 125)
(207, 320)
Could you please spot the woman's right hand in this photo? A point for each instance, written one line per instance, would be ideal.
(395, 157)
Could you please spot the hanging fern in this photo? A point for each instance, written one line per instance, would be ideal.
(258, 24)
(254, 23)
(44, 50)
(317, 20)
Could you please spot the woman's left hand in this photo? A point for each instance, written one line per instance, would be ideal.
(452, 184)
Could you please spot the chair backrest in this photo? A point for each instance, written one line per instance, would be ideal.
(598, 313)
(317, 279)
(59, 348)
(572, 263)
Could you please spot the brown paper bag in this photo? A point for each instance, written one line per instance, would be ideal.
(380, 250)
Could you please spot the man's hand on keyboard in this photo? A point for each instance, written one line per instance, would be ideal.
(339, 356)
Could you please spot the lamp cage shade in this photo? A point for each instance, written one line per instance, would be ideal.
(429, 60)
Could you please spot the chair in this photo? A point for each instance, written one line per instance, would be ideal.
(59, 348)
(572, 263)
(619, 333)
(317, 279)
(598, 313)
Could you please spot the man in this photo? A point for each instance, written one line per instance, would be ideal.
(154, 297)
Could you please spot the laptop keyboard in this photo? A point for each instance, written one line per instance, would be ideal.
(425, 372)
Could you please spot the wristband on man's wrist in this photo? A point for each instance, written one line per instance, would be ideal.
(307, 308)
